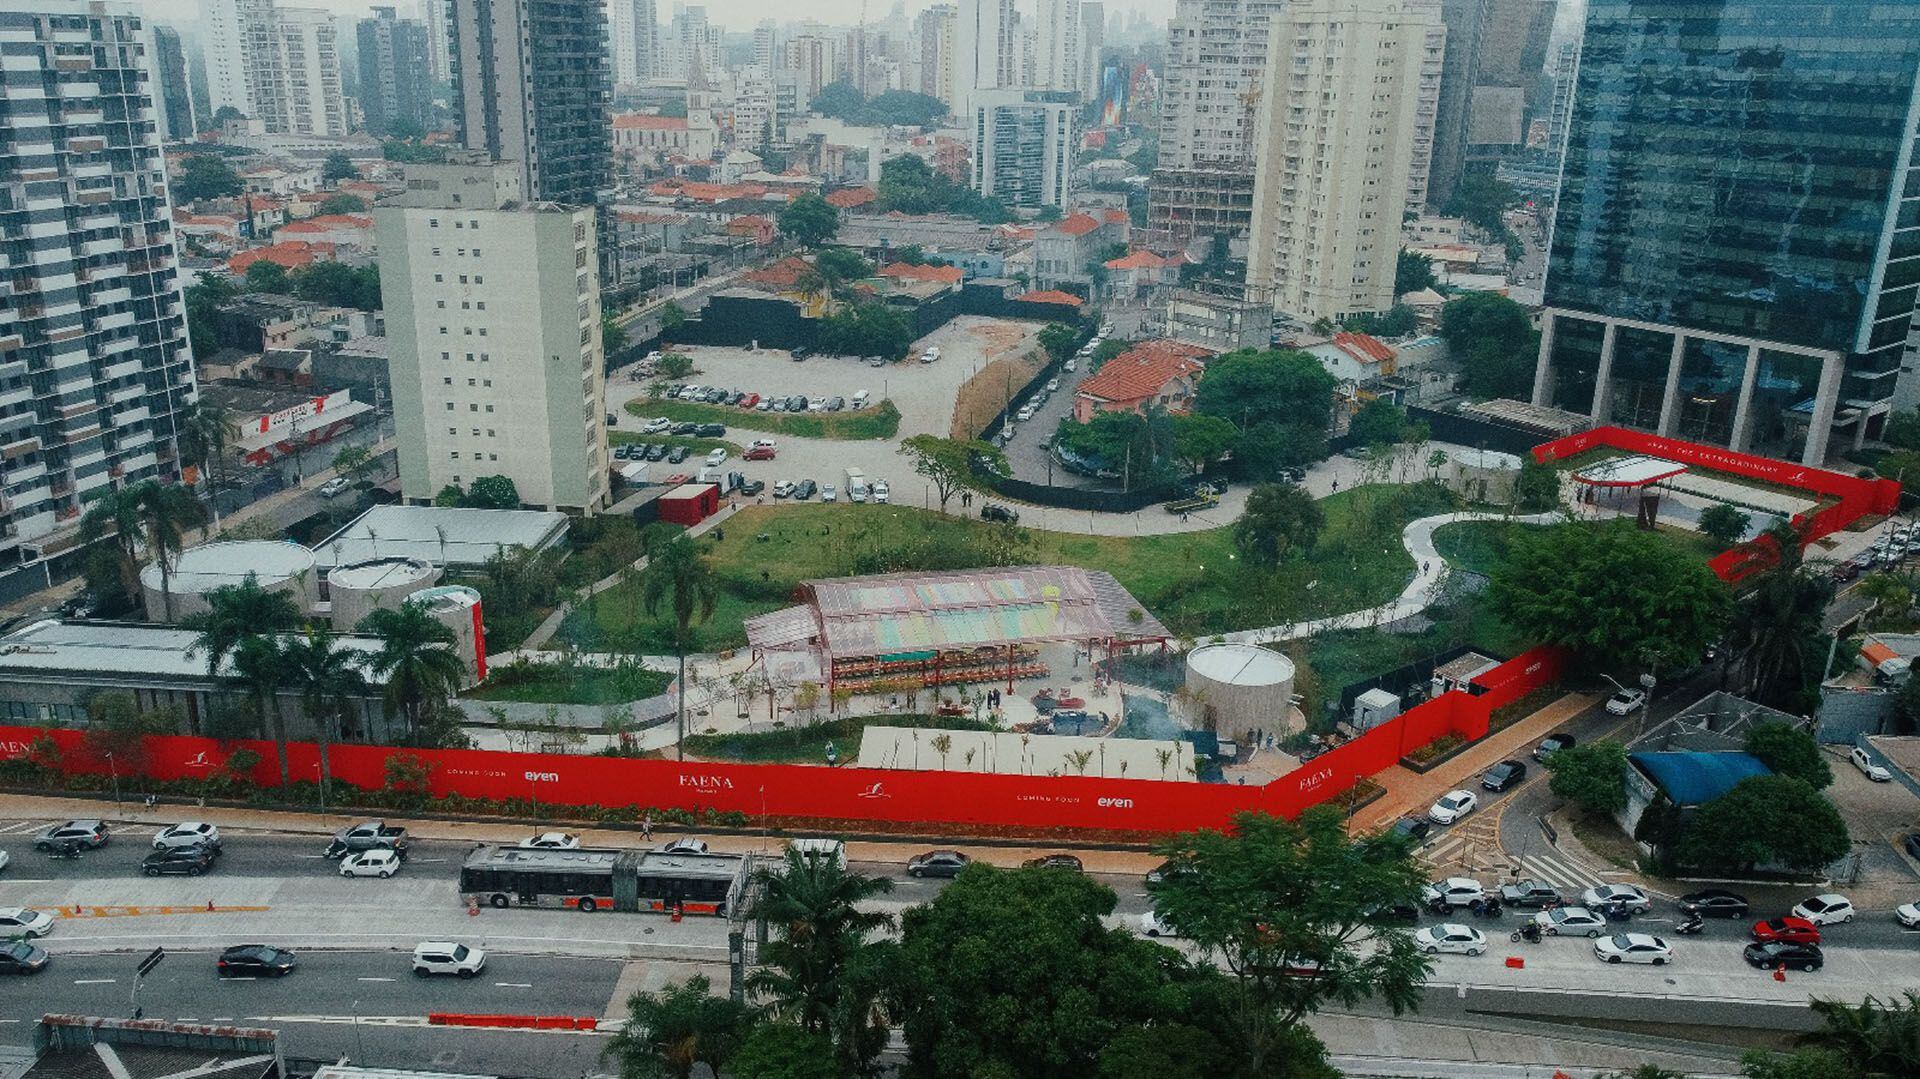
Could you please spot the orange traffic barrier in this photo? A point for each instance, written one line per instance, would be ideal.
(1516, 962)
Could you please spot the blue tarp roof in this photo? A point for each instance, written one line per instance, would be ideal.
(1695, 778)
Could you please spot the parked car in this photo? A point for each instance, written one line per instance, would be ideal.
(783, 489)
(751, 400)
(88, 833)
(878, 492)
(1877, 773)
(1826, 909)
(937, 863)
(759, 453)
(1055, 861)
(255, 960)
(655, 425)
(552, 841)
(716, 457)
(1412, 827)
(335, 487)
(1908, 914)
(711, 430)
(447, 957)
(1570, 922)
(1453, 892)
(752, 487)
(1153, 925)
(186, 861)
(1848, 570)
(1797, 930)
(1607, 895)
(1450, 937)
(991, 512)
(1452, 806)
(1714, 903)
(1551, 744)
(1626, 701)
(380, 863)
(366, 836)
(684, 428)
(1165, 871)
(20, 957)
(800, 353)
(1503, 775)
(1529, 893)
(1782, 953)
(17, 922)
(660, 451)
(806, 490)
(187, 834)
(1025, 413)
(829, 493)
(1633, 948)
(835, 404)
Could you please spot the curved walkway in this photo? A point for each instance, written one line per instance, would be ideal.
(1429, 572)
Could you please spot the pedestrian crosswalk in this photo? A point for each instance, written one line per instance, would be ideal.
(1476, 851)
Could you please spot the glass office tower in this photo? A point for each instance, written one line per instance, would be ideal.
(1736, 246)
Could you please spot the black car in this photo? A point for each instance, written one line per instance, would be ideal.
(1413, 828)
(190, 861)
(805, 490)
(1503, 775)
(712, 430)
(936, 863)
(684, 427)
(752, 487)
(1714, 903)
(1551, 744)
(733, 397)
(800, 353)
(677, 454)
(1529, 893)
(255, 960)
(1166, 871)
(835, 404)
(1776, 953)
(1405, 913)
(797, 403)
(622, 451)
(1911, 841)
(991, 512)
(20, 957)
(1055, 861)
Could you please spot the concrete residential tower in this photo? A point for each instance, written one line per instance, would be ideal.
(94, 363)
(1339, 124)
(395, 71)
(1736, 249)
(279, 66)
(493, 319)
(531, 86)
(1023, 146)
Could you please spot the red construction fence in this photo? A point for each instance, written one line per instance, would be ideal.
(800, 792)
(1857, 497)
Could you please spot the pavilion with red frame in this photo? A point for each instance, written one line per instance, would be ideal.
(1611, 479)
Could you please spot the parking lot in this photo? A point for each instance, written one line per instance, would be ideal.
(1027, 452)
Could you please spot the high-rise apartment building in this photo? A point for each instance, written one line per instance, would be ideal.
(278, 66)
(1023, 146)
(1566, 61)
(1057, 45)
(623, 59)
(394, 71)
(1464, 21)
(1202, 185)
(223, 51)
(493, 324)
(936, 30)
(530, 86)
(1736, 247)
(986, 53)
(766, 47)
(94, 359)
(1426, 112)
(1335, 148)
(1093, 41)
(812, 59)
(173, 92)
(439, 61)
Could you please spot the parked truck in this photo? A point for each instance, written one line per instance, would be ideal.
(367, 835)
(856, 485)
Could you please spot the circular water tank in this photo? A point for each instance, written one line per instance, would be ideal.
(276, 566)
(458, 608)
(360, 588)
(1241, 687)
(1484, 475)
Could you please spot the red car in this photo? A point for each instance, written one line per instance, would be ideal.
(750, 400)
(1790, 929)
(677, 479)
(759, 453)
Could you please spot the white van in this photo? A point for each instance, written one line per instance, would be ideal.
(820, 850)
(859, 400)
(1025, 413)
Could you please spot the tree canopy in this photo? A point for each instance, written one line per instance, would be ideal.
(1592, 775)
(1620, 597)
(337, 167)
(1280, 518)
(1279, 400)
(1724, 523)
(1494, 340)
(1378, 421)
(206, 176)
(343, 204)
(947, 462)
(339, 285)
(911, 186)
(1059, 340)
(1765, 820)
(809, 220)
(1412, 272)
(1397, 321)
(867, 328)
(892, 108)
(1790, 751)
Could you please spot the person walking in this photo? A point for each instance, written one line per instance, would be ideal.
(646, 827)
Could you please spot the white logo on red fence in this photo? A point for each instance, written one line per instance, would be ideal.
(1115, 803)
(543, 777)
(1309, 782)
(14, 749)
(873, 792)
(199, 760)
(706, 782)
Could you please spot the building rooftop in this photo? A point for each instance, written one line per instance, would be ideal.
(1065, 299)
(1693, 778)
(1141, 370)
(1076, 225)
(441, 535)
(68, 650)
(225, 562)
(84, 1047)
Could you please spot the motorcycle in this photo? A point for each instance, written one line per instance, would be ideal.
(1692, 925)
(1618, 912)
(1529, 932)
(1485, 908)
(67, 851)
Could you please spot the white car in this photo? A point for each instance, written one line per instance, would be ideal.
(685, 846)
(1453, 891)
(1070, 365)
(1053, 384)
(4, 859)
(1451, 937)
(762, 443)
(1633, 948)
(1908, 914)
(1570, 922)
(447, 957)
(656, 425)
(187, 834)
(1625, 701)
(382, 863)
(334, 487)
(1025, 413)
(1827, 909)
(1452, 806)
(783, 489)
(716, 458)
(1875, 772)
(24, 922)
(816, 404)
(878, 492)
(552, 841)
(1606, 895)
(829, 493)
(931, 354)
(1152, 925)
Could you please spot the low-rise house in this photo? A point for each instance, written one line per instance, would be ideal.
(341, 230)
(1065, 252)
(290, 255)
(1154, 374)
(1355, 357)
(1138, 273)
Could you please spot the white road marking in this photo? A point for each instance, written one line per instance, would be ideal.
(94, 981)
(373, 979)
(514, 985)
(27, 880)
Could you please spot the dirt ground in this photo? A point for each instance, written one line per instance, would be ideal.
(985, 394)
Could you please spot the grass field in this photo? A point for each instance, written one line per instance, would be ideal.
(808, 744)
(877, 421)
(552, 683)
(1479, 545)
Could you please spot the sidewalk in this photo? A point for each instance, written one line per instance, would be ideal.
(1410, 793)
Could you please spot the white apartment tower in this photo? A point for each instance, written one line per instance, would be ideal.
(1022, 143)
(435, 13)
(280, 66)
(493, 320)
(623, 52)
(1334, 151)
(1093, 40)
(766, 47)
(936, 29)
(985, 52)
(94, 357)
(1057, 45)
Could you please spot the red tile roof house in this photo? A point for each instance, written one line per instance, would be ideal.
(1153, 374)
(1139, 272)
(1065, 253)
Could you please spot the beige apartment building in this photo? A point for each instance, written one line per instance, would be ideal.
(1343, 114)
(493, 320)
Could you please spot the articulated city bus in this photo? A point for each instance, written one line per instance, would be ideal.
(590, 879)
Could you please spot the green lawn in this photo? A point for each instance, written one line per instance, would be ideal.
(876, 421)
(555, 683)
(1195, 582)
(1479, 545)
(808, 744)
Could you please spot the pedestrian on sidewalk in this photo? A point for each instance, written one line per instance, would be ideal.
(646, 827)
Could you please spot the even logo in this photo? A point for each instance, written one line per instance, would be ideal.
(543, 777)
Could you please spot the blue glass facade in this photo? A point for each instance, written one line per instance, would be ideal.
(1739, 168)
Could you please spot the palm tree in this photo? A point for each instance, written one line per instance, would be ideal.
(416, 658)
(165, 511)
(812, 972)
(327, 677)
(117, 513)
(677, 575)
(235, 614)
(206, 429)
(261, 665)
(1776, 634)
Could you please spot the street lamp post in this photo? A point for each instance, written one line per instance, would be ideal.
(115, 769)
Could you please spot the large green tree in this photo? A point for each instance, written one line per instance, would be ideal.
(1280, 400)
(340, 285)
(1765, 820)
(1790, 751)
(206, 176)
(669, 1032)
(1621, 598)
(337, 167)
(343, 204)
(1877, 1039)
(1198, 441)
(680, 579)
(1280, 518)
(492, 493)
(1412, 272)
(1378, 421)
(947, 462)
(822, 971)
(1777, 639)
(1494, 340)
(867, 328)
(207, 428)
(265, 275)
(1059, 340)
(328, 677)
(1724, 523)
(809, 220)
(1592, 775)
(166, 512)
(235, 615)
(416, 659)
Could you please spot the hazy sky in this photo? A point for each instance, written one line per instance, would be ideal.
(731, 14)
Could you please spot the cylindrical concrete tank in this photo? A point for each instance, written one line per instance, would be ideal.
(1484, 475)
(1241, 687)
(458, 608)
(360, 588)
(277, 566)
